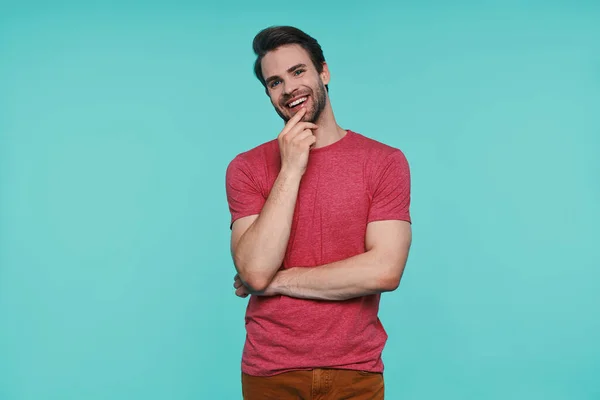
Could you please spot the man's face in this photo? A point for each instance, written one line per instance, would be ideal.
(294, 83)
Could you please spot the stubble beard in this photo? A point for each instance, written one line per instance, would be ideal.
(319, 100)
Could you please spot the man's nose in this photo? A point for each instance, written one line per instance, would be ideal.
(289, 87)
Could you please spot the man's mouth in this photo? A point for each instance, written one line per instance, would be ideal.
(297, 103)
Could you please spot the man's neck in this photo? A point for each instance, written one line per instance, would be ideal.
(329, 131)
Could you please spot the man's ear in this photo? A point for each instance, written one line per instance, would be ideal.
(325, 74)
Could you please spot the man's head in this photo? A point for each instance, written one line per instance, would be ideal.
(291, 66)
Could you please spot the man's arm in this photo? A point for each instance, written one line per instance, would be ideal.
(377, 270)
(259, 242)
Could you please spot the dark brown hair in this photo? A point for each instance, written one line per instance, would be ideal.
(273, 37)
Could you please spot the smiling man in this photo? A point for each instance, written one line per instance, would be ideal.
(320, 227)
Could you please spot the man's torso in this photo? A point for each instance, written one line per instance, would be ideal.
(329, 224)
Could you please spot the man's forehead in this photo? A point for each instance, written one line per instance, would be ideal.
(283, 58)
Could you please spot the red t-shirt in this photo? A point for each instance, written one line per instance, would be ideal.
(346, 185)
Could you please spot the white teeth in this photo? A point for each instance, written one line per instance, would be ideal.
(295, 103)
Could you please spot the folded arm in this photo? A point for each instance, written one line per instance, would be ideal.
(259, 242)
(379, 269)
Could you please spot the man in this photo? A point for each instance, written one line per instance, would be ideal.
(320, 228)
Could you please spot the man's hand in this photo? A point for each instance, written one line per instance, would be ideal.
(243, 291)
(295, 141)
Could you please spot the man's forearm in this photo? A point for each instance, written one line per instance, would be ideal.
(261, 249)
(361, 275)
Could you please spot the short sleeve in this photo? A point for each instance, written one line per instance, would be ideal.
(391, 189)
(244, 195)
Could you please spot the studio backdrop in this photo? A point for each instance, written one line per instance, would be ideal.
(117, 123)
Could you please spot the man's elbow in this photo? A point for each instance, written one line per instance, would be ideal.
(390, 281)
(389, 284)
(254, 280)
(255, 283)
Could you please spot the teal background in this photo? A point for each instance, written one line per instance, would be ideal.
(117, 122)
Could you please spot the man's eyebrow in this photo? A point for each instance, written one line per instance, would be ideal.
(291, 69)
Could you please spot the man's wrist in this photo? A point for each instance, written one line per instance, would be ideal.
(290, 174)
(278, 284)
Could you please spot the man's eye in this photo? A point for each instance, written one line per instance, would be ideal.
(298, 71)
(274, 83)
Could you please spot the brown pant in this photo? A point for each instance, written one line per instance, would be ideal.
(317, 384)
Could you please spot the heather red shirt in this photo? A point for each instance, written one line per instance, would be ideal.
(346, 185)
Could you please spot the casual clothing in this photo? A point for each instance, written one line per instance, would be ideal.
(347, 184)
(318, 384)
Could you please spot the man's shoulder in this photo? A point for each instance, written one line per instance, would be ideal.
(257, 155)
(374, 147)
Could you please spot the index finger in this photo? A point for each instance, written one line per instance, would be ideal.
(293, 121)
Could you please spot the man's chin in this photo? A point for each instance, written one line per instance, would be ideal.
(308, 117)
(286, 115)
